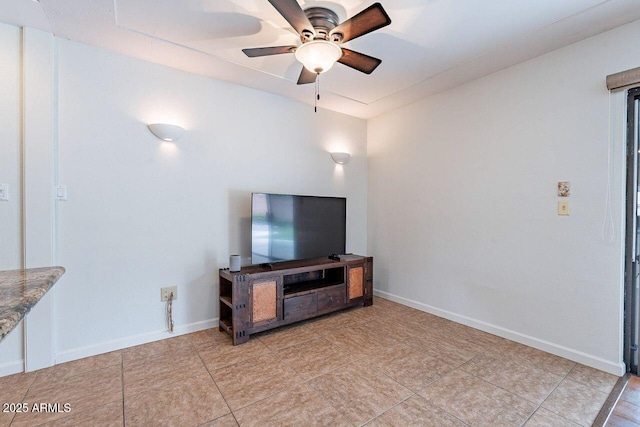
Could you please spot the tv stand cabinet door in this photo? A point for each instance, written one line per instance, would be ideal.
(356, 282)
(265, 301)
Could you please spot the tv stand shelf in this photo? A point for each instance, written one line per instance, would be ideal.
(259, 297)
(315, 284)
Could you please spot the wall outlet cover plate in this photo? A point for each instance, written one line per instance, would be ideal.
(164, 293)
(563, 208)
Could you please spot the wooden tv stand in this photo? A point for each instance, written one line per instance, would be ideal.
(259, 298)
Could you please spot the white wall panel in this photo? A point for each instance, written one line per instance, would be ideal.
(462, 205)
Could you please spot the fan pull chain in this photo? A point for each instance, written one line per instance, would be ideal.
(317, 98)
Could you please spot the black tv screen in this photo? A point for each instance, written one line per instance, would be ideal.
(287, 227)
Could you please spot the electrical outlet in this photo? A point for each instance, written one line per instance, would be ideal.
(164, 293)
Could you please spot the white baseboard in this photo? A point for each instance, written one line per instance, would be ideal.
(615, 368)
(12, 367)
(119, 344)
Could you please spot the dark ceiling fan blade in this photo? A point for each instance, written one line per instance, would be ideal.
(265, 51)
(306, 77)
(372, 18)
(359, 61)
(295, 16)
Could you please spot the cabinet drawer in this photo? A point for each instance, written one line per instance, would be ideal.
(330, 299)
(301, 306)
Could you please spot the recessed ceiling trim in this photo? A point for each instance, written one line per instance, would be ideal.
(446, 58)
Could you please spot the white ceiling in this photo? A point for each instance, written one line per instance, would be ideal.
(430, 46)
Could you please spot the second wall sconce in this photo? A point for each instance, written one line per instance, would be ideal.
(341, 158)
(166, 132)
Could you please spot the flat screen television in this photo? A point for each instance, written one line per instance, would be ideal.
(287, 227)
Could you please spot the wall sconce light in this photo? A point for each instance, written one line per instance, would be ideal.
(166, 132)
(341, 158)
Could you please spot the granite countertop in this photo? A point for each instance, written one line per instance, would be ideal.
(20, 290)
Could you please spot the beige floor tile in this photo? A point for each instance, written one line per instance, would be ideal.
(360, 340)
(591, 377)
(544, 418)
(396, 328)
(435, 345)
(526, 381)
(286, 336)
(299, 406)
(330, 323)
(225, 421)
(144, 374)
(359, 393)
(365, 314)
(15, 386)
(191, 401)
(531, 356)
(477, 402)
(576, 402)
(409, 366)
(45, 377)
(156, 349)
(415, 412)
(362, 365)
(469, 333)
(251, 380)
(221, 354)
(82, 392)
(462, 339)
(109, 415)
(314, 358)
(209, 337)
(418, 325)
(6, 417)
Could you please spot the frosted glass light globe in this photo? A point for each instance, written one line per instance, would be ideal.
(318, 56)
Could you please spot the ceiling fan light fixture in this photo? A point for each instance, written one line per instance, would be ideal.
(318, 56)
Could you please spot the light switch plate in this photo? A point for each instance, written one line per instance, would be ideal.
(563, 207)
(61, 192)
(4, 192)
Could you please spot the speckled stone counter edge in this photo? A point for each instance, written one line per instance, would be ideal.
(20, 290)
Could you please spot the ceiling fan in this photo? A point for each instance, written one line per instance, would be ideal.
(321, 33)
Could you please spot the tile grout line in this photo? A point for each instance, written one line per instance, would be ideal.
(24, 396)
(435, 404)
(487, 350)
(308, 382)
(413, 394)
(549, 394)
(154, 358)
(187, 377)
(565, 377)
(305, 381)
(216, 384)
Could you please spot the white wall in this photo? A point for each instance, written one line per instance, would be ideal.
(10, 173)
(460, 216)
(462, 207)
(10, 138)
(142, 214)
